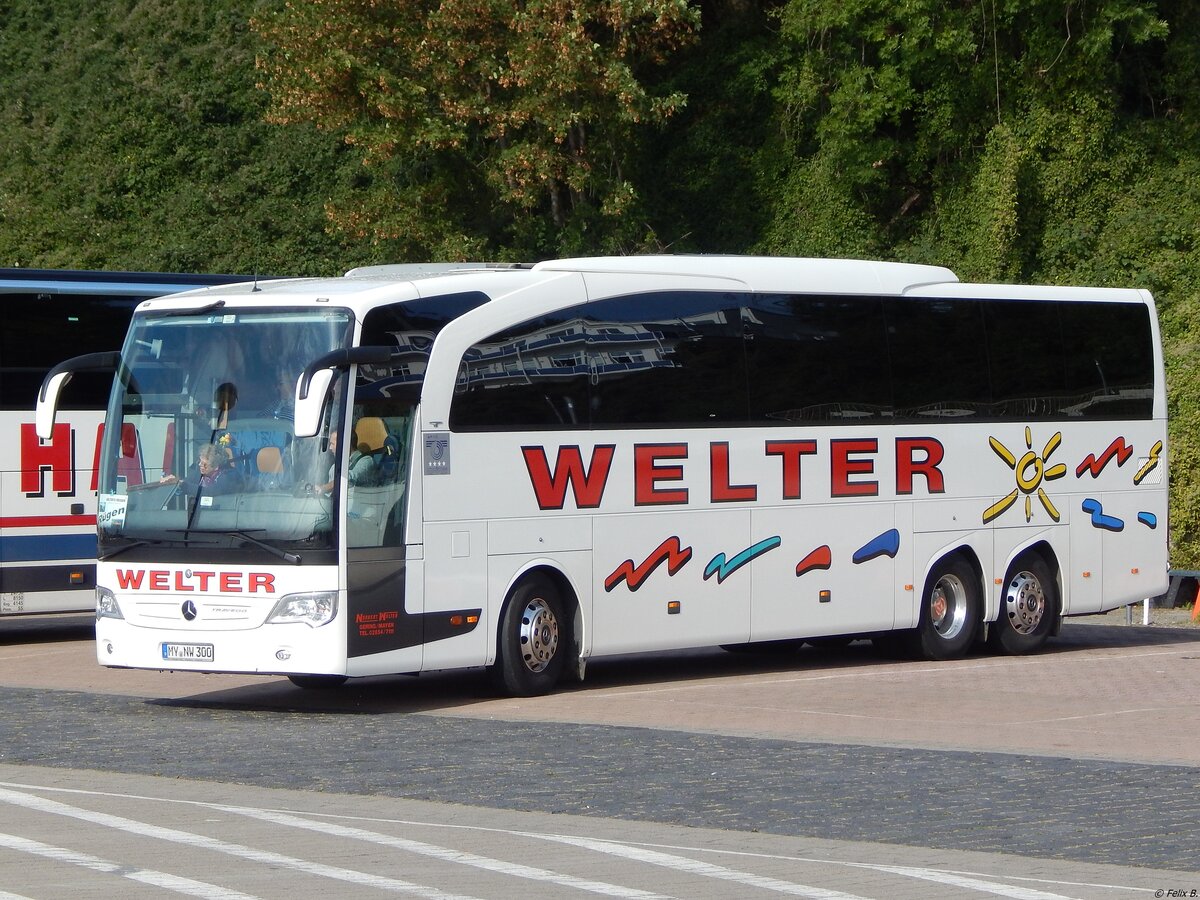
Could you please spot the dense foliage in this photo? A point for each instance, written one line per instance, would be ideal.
(134, 138)
(478, 117)
(1007, 139)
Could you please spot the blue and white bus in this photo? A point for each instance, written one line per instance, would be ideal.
(48, 487)
(524, 468)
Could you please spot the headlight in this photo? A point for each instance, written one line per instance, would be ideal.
(107, 606)
(314, 609)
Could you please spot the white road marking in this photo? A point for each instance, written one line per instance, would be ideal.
(443, 853)
(198, 841)
(979, 879)
(974, 884)
(162, 880)
(695, 867)
(859, 865)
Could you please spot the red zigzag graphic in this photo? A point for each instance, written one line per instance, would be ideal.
(668, 551)
(1117, 448)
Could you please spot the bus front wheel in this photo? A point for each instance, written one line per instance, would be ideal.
(532, 642)
(1028, 608)
(951, 609)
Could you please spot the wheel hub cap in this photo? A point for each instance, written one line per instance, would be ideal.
(1024, 603)
(539, 635)
(948, 606)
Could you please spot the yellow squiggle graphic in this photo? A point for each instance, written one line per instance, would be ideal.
(1150, 464)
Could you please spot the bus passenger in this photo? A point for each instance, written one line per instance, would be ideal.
(213, 473)
(284, 405)
(361, 467)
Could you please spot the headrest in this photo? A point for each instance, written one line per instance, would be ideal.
(370, 433)
(270, 460)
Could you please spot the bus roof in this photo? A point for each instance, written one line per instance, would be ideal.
(366, 287)
(77, 281)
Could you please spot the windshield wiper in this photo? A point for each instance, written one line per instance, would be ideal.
(293, 558)
(138, 543)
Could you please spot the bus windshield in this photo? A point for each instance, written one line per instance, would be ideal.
(199, 446)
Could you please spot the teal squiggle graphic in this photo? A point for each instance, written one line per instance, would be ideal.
(723, 568)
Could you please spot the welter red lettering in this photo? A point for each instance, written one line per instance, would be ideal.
(587, 485)
(721, 490)
(262, 581)
(907, 466)
(158, 581)
(791, 452)
(231, 582)
(842, 468)
(647, 473)
(58, 456)
(130, 580)
(203, 578)
(179, 585)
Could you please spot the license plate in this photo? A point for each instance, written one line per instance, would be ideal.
(187, 652)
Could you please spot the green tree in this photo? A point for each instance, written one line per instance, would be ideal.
(485, 127)
(914, 116)
(134, 138)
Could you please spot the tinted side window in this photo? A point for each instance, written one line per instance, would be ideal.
(410, 328)
(670, 358)
(532, 376)
(42, 330)
(817, 359)
(939, 359)
(1109, 360)
(1026, 362)
(690, 359)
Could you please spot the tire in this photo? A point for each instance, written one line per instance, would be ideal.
(532, 643)
(317, 682)
(951, 610)
(1029, 608)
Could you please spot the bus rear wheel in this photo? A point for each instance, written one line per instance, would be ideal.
(951, 609)
(532, 642)
(1028, 608)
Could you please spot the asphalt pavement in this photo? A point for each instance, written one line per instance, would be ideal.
(1087, 752)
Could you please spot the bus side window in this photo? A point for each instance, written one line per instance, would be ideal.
(667, 358)
(532, 376)
(813, 359)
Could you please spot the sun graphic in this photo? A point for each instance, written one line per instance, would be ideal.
(1031, 471)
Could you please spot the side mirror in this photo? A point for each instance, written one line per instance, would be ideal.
(313, 386)
(56, 379)
(47, 404)
(310, 407)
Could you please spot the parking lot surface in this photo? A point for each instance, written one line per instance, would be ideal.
(1087, 752)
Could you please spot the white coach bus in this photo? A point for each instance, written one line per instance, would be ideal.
(588, 457)
(47, 487)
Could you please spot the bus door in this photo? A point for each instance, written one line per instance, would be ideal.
(384, 609)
